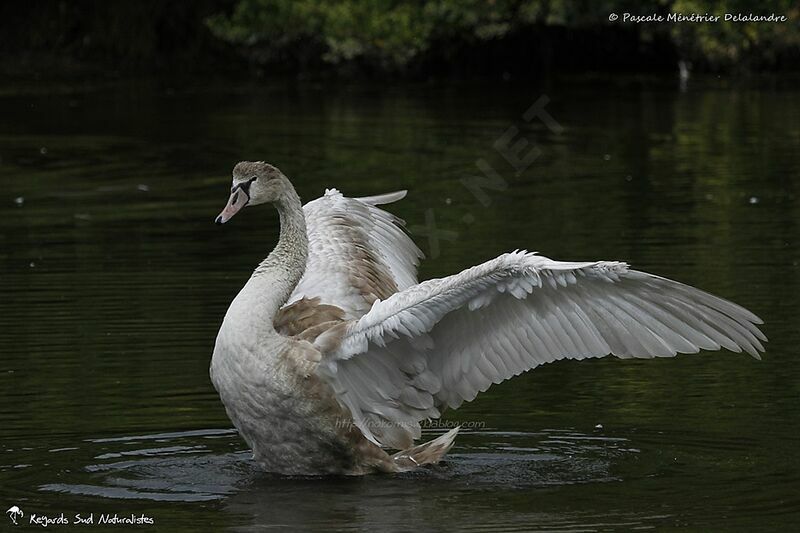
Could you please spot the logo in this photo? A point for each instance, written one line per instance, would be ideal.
(130, 519)
(15, 512)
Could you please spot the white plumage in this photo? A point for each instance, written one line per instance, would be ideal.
(398, 352)
(352, 244)
(511, 314)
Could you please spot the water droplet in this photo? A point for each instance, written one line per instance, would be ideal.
(19, 200)
(448, 201)
(607, 157)
(43, 150)
(753, 200)
(599, 426)
(143, 187)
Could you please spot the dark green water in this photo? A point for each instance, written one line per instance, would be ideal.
(113, 282)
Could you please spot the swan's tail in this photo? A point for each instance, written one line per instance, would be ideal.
(428, 453)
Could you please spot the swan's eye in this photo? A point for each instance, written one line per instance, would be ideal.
(246, 185)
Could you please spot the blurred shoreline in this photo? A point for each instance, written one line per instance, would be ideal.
(426, 40)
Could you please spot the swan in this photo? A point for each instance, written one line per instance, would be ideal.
(333, 352)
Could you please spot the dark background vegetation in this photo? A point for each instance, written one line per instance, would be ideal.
(417, 39)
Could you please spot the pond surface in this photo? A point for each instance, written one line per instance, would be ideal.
(114, 280)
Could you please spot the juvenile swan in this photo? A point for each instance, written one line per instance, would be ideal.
(333, 351)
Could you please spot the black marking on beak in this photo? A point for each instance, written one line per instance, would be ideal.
(245, 187)
(218, 221)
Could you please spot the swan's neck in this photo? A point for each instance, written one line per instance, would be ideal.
(278, 274)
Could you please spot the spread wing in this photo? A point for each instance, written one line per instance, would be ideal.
(440, 343)
(358, 253)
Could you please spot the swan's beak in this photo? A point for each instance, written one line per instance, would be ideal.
(237, 201)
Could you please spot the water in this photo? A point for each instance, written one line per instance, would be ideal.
(114, 281)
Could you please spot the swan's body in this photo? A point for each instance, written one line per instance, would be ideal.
(333, 349)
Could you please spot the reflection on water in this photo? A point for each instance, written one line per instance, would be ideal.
(161, 467)
(113, 282)
(206, 465)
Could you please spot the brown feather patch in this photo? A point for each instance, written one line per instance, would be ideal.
(307, 317)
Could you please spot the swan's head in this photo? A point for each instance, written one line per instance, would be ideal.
(253, 183)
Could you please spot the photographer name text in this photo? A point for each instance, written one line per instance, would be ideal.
(698, 17)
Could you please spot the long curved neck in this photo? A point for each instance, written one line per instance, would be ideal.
(279, 273)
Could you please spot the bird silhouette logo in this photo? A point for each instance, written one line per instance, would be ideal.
(15, 512)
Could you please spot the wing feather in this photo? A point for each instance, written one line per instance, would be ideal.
(357, 252)
(508, 315)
